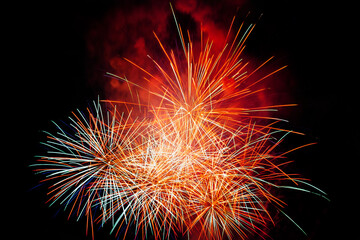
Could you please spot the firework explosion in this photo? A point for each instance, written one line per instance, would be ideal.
(193, 161)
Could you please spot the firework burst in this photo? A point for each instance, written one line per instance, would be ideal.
(195, 159)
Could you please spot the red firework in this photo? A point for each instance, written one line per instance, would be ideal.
(191, 158)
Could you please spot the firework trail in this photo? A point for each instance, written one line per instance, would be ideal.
(190, 161)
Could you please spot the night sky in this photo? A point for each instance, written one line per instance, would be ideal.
(53, 72)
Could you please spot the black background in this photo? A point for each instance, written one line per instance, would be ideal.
(47, 72)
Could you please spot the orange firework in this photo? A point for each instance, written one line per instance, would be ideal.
(192, 161)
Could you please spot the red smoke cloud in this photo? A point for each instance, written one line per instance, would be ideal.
(127, 31)
(204, 15)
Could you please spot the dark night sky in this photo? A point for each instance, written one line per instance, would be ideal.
(49, 79)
